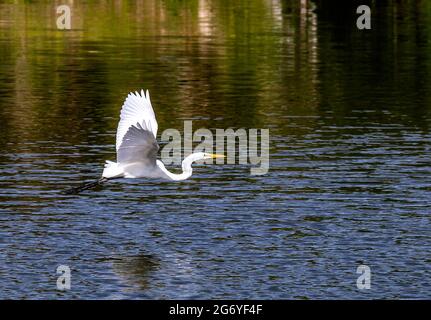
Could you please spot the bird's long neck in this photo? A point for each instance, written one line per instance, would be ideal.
(186, 165)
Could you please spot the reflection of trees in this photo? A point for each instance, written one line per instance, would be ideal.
(202, 53)
(386, 69)
(246, 61)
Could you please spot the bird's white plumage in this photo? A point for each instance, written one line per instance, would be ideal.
(138, 152)
(136, 109)
(137, 145)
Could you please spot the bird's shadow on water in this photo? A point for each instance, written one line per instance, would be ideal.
(135, 271)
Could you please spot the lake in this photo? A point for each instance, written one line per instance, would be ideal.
(349, 116)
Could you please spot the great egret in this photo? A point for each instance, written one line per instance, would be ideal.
(137, 147)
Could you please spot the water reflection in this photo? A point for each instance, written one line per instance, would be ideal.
(135, 270)
(349, 118)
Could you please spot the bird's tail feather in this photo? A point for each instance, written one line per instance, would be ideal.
(85, 186)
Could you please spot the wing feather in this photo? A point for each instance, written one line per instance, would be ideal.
(136, 109)
(138, 146)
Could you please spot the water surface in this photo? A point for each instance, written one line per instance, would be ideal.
(349, 182)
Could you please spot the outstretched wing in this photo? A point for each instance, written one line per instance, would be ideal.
(138, 146)
(136, 109)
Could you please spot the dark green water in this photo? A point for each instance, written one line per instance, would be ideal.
(349, 114)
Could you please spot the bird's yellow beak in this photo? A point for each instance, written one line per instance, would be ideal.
(213, 156)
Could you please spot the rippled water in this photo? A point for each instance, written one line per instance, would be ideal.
(349, 180)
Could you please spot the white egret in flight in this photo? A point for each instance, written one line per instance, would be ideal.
(137, 146)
